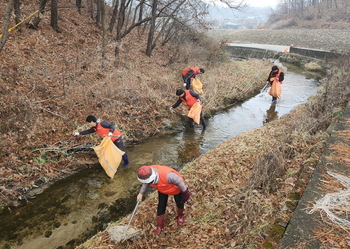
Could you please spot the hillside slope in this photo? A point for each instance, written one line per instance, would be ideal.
(50, 81)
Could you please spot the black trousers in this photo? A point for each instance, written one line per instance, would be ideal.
(119, 143)
(163, 201)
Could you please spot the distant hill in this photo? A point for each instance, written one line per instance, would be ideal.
(249, 18)
(327, 14)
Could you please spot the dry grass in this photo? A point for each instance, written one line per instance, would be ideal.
(241, 190)
(51, 81)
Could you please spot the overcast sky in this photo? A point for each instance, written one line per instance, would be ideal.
(261, 3)
(252, 3)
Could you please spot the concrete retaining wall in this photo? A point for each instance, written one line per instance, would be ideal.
(248, 52)
(300, 232)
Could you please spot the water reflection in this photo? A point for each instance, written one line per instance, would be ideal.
(271, 114)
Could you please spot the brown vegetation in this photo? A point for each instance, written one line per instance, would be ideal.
(310, 14)
(245, 207)
(51, 81)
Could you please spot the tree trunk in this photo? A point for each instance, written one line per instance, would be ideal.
(104, 36)
(121, 19)
(6, 24)
(54, 15)
(78, 4)
(114, 15)
(42, 5)
(18, 14)
(152, 28)
(98, 14)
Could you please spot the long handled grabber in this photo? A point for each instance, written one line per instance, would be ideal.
(132, 216)
(265, 87)
(121, 233)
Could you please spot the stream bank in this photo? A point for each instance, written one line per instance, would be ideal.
(102, 201)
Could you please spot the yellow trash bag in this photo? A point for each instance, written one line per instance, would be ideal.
(195, 112)
(276, 89)
(197, 86)
(109, 156)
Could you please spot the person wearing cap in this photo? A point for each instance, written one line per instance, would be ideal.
(189, 97)
(168, 182)
(188, 73)
(103, 128)
(275, 74)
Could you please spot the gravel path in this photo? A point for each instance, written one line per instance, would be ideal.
(324, 39)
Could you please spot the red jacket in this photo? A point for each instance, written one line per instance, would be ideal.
(163, 186)
(104, 131)
(189, 99)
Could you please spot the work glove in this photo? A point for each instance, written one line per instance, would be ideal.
(171, 109)
(185, 195)
(110, 134)
(267, 82)
(76, 134)
(198, 100)
(184, 84)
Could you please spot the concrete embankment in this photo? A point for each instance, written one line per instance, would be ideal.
(300, 232)
(295, 55)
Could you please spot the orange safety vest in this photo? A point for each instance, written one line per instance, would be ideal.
(190, 100)
(104, 131)
(277, 75)
(186, 70)
(163, 186)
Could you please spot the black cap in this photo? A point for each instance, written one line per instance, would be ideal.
(90, 119)
(179, 92)
(274, 68)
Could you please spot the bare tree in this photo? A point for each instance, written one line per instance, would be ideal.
(104, 31)
(6, 25)
(54, 15)
(17, 13)
(152, 28)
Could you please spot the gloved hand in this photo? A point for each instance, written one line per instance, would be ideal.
(76, 134)
(198, 100)
(185, 84)
(171, 109)
(185, 195)
(267, 82)
(110, 134)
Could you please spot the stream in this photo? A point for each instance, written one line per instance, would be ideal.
(72, 210)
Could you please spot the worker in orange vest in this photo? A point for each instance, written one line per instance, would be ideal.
(188, 73)
(277, 74)
(103, 128)
(189, 97)
(168, 182)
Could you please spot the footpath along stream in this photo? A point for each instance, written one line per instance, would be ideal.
(74, 209)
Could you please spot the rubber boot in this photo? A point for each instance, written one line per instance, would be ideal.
(204, 125)
(126, 160)
(180, 216)
(160, 224)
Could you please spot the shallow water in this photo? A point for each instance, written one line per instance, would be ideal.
(74, 209)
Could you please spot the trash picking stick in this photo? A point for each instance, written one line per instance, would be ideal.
(263, 89)
(132, 216)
